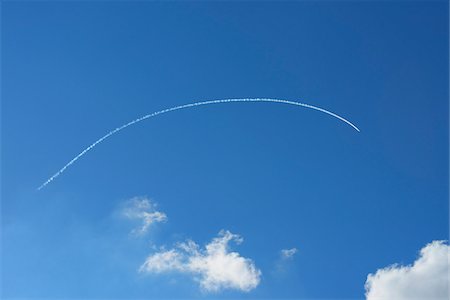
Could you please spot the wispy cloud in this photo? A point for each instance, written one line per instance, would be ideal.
(427, 278)
(283, 263)
(288, 253)
(215, 267)
(144, 211)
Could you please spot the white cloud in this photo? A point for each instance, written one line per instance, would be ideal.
(427, 278)
(142, 209)
(283, 264)
(214, 267)
(288, 253)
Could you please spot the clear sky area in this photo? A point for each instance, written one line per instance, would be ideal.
(251, 200)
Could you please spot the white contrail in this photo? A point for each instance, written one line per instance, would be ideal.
(183, 107)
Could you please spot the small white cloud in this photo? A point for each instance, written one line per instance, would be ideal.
(288, 253)
(283, 263)
(142, 209)
(215, 267)
(427, 278)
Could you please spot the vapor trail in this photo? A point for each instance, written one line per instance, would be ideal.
(183, 107)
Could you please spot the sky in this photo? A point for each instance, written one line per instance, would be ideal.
(237, 200)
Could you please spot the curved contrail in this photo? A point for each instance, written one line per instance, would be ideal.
(183, 107)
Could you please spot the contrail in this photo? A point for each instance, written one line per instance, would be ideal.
(154, 114)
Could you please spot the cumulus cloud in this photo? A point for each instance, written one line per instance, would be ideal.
(288, 253)
(215, 267)
(143, 210)
(427, 278)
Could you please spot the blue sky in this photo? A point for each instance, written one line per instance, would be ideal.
(281, 177)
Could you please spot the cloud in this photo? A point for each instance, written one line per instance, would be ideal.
(143, 210)
(215, 268)
(283, 263)
(427, 278)
(288, 253)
